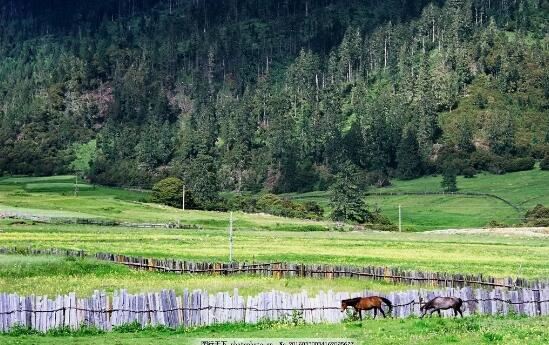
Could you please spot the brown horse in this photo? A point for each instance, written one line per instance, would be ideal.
(366, 303)
(443, 303)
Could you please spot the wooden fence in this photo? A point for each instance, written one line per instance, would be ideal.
(94, 221)
(199, 308)
(282, 270)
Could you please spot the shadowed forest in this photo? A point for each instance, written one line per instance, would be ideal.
(279, 96)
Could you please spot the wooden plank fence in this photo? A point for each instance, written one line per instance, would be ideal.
(199, 308)
(281, 270)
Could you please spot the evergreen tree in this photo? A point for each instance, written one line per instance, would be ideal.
(347, 198)
(449, 178)
(408, 157)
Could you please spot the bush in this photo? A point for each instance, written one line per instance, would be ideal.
(169, 191)
(378, 179)
(243, 203)
(313, 208)
(277, 206)
(538, 216)
(518, 164)
(482, 160)
(487, 161)
(469, 172)
(544, 164)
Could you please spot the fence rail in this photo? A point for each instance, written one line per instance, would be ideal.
(94, 221)
(282, 270)
(477, 194)
(199, 308)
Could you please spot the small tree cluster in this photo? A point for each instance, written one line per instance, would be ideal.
(169, 191)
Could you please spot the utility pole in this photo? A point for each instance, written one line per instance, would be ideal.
(76, 184)
(183, 199)
(399, 218)
(231, 238)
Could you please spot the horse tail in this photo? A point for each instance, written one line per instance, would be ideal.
(389, 304)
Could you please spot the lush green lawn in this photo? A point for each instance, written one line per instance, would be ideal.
(425, 212)
(471, 330)
(500, 255)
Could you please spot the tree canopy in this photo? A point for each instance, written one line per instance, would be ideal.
(269, 95)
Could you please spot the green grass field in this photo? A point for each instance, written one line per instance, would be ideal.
(499, 255)
(261, 238)
(419, 212)
(40, 196)
(27, 275)
(426, 212)
(469, 331)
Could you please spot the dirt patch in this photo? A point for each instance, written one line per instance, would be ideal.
(526, 231)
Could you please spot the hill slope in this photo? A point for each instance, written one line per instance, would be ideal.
(269, 95)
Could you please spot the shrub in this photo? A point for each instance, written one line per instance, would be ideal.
(277, 206)
(313, 208)
(243, 203)
(518, 164)
(538, 216)
(482, 160)
(169, 191)
(469, 172)
(378, 179)
(544, 164)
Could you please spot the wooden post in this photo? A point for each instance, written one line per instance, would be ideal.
(231, 238)
(399, 218)
(183, 199)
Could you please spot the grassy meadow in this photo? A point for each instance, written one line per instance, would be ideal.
(524, 189)
(493, 254)
(28, 195)
(42, 275)
(54, 196)
(468, 331)
(261, 238)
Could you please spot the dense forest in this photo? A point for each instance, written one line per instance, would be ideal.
(271, 95)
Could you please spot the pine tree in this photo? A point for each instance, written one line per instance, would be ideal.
(449, 183)
(347, 198)
(408, 157)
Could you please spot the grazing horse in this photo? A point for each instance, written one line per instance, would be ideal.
(442, 303)
(366, 303)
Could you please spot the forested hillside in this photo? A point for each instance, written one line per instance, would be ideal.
(271, 95)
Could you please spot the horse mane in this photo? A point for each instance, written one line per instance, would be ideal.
(352, 301)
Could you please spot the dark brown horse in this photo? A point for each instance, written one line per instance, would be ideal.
(366, 303)
(443, 303)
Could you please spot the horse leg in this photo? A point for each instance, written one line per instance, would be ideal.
(360, 313)
(460, 313)
(382, 313)
(439, 314)
(375, 312)
(455, 312)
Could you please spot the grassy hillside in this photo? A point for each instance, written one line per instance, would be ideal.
(523, 189)
(54, 197)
